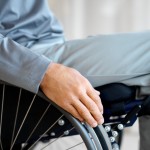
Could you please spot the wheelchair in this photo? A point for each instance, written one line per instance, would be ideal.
(27, 119)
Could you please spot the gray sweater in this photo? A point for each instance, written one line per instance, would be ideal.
(22, 24)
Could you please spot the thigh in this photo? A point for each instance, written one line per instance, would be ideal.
(106, 58)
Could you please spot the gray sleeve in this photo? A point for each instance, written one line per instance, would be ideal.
(20, 66)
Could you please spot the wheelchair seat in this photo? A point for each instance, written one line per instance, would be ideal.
(115, 96)
(116, 92)
(119, 99)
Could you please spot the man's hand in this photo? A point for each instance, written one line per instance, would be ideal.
(73, 92)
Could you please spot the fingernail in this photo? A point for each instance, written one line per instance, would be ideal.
(94, 124)
(101, 121)
(98, 92)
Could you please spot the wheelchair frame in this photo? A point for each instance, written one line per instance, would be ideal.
(88, 134)
(94, 138)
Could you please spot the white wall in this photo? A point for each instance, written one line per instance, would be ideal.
(81, 18)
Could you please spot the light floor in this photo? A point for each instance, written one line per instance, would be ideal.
(130, 141)
(131, 138)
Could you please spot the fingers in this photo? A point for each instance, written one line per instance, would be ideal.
(74, 112)
(96, 99)
(76, 95)
(85, 114)
(92, 108)
(97, 92)
(95, 96)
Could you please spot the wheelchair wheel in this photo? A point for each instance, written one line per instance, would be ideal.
(28, 119)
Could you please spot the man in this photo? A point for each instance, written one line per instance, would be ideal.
(34, 53)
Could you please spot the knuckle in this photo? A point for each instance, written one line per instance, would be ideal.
(86, 81)
(92, 109)
(92, 106)
(91, 93)
(89, 118)
(83, 113)
(80, 91)
(72, 98)
(65, 103)
(79, 118)
(96, 97)
(65, 106)
(97, 100)
(95, 112)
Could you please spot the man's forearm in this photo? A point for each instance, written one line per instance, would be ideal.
(20, 66)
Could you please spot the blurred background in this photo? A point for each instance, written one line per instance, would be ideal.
(82, 18)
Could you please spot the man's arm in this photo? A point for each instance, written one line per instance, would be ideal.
(63, 85)
(73, 92)
(20, 66)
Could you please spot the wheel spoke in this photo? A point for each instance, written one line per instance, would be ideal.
(2, 107)
(45, 132)
(37, 124)
(75, 145)
(16, 116)
(23, 122)
(56, 139)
